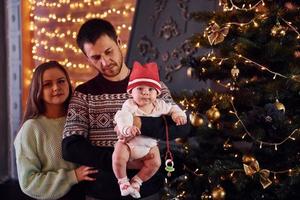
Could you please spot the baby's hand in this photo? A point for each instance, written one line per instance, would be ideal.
(125, 139)
(131, 131)
(179, 120)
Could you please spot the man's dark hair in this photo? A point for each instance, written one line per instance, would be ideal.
(92, 29)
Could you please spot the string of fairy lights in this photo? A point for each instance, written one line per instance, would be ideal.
(53, 28)
(261, 143)
(231, 6)
(250, 164)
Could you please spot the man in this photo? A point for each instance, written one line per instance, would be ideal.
(89, 134)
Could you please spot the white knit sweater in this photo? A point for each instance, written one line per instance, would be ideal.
(42, 172)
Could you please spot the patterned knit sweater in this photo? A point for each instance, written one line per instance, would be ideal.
(42, 172)
(89, 134)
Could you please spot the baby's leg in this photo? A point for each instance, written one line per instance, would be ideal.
(149, 168)
(151, 165)
(120, 158)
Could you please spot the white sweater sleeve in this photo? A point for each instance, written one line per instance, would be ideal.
(124, 117)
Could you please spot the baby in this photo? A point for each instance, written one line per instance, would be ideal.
(144, 87)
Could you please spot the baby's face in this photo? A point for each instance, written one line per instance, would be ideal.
(144, 95)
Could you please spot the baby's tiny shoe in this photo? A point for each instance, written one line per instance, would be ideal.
(125, 187)
(136, 183)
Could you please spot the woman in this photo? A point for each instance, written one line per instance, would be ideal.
(42, 172)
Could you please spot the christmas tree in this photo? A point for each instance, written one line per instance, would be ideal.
(245, 142)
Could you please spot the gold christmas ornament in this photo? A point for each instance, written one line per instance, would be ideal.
(251, 166)
(278, 30)
(180, 141)
(215, 34)
(235, 72)
(279, 105)
(195, 119)
(248, 159)
(218, 193)
(213, 114)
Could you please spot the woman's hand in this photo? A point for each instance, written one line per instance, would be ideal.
(83, 172)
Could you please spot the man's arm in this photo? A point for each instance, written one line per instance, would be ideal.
(75, 145)
(155, 127)
(78, 149)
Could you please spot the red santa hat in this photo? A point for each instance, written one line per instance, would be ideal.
(146, 74)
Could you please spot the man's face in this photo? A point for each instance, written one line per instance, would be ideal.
(106, 56)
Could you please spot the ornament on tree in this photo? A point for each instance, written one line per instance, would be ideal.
(248, 159)
(191, 72)
(195, 119)
(218, 193)
(278, 30)
(227, 145)
(213, 114)
(180, 141)
(251, 167)
(279, 106)
(215, 34)
(205, 196)
(296, 78)
(235, 72)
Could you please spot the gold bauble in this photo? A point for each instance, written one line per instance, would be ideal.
(279, 106)
(196, 119)
(213, 114)
(218, 193)
(180, 140)
(248, 159)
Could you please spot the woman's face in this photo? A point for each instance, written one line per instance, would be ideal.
(55, 87)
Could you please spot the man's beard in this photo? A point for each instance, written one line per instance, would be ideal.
(119, 67)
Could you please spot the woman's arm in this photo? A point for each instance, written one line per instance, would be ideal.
(34, 181)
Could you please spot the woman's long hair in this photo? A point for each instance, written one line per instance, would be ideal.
(35, 105)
